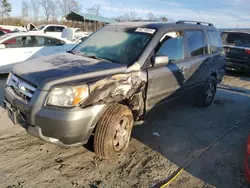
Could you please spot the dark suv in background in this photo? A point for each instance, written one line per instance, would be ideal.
(237, 48)
(112, 79)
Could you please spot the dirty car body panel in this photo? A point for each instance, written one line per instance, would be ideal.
(113, 71)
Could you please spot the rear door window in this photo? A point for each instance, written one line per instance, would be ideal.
(50, 29)
(195, 43)
(236, 39)
(215, 41)
(59, 29)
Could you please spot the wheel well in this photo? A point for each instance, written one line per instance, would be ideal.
(125, 102)
(136, 105)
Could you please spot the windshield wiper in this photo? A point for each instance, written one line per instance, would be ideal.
(89, 56)
(93, 57)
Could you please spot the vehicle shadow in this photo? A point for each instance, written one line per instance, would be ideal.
(180, 132)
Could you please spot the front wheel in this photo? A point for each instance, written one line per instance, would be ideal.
(113, 131)
(205, 97)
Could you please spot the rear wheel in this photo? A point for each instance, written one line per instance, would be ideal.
(205, 97)
(113, 131)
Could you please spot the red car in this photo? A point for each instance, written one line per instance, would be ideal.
(4, 31)
(247, 161)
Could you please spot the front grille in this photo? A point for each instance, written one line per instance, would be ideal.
(21, 87)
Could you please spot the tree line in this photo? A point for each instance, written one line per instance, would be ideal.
(54, 10)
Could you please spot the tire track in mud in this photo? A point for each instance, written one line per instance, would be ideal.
(32, 162)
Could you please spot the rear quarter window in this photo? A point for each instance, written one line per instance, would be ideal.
(215, 41)
(195, 43)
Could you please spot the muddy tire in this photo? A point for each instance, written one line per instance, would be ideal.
(205, 97)
(113, 131)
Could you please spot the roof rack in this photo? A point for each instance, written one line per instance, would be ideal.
(196, 22)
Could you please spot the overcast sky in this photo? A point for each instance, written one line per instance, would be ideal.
(223, 13)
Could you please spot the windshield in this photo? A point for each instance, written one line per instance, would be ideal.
(236, 39)
(40, 27)
(120, 45)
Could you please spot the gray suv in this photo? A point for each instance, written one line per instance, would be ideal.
(112, 79)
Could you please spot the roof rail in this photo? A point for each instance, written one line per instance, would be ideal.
(196, 22)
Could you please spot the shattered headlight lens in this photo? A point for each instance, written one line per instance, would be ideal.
(68, 96)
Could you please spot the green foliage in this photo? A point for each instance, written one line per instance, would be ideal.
(164, 19)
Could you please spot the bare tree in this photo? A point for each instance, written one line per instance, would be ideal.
(5, 8)
(151, 16)
(35, 7)
(69, 5)
(128, 17)
(25, 10)
(48, 7)
(95, 10)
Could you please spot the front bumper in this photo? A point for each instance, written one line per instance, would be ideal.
(238, 65)
(61, 126)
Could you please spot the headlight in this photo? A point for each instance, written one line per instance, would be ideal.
(68, 96)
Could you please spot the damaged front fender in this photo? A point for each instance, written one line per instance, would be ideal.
(115, 89)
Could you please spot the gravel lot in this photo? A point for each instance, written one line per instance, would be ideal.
(168, 140)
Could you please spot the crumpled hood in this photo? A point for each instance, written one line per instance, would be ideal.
(64, 67)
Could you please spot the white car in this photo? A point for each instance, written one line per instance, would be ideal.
(18, 47)
(51, 29)
(74, 34)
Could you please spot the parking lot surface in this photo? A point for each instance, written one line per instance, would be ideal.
(168, 140)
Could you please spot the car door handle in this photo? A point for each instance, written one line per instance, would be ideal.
(28, 52)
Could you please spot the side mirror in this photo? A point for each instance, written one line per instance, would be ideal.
(45, 31)
(2, 46)
(160, 61)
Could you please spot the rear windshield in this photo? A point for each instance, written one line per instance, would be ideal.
(117, 44)
(236, 39)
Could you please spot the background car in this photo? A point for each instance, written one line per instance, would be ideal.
(237, 48)
(4, 31)
(74, 34)
(51, 30)
(18, 47)
(80, 39)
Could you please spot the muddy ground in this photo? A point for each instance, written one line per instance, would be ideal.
(168, 140)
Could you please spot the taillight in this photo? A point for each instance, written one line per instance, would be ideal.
(247, 51)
